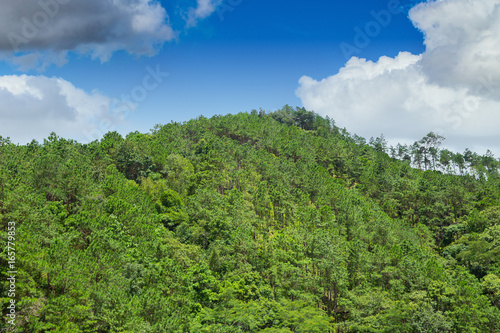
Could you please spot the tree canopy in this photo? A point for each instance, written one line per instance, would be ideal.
(255, 222)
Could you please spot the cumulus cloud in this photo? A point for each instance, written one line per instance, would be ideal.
(31, 107)
(95, 27)
(204, 9)
(462, 39)
(453, 88)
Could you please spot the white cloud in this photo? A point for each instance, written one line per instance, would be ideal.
(462, 39)
(33, 106)
(94, 27)
(204, 9)
(452, 88)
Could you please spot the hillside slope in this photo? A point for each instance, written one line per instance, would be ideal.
(255, 222)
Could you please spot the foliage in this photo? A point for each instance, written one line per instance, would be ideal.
(255, 222)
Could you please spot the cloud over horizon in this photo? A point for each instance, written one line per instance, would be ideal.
(33, 106)
(453, 88)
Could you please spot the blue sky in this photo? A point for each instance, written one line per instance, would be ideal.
(231, 56)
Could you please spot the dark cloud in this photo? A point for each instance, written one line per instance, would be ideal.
(98, 27)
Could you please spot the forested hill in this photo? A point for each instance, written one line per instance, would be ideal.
(253, 222)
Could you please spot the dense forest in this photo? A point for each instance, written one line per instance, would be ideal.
(255, 222)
